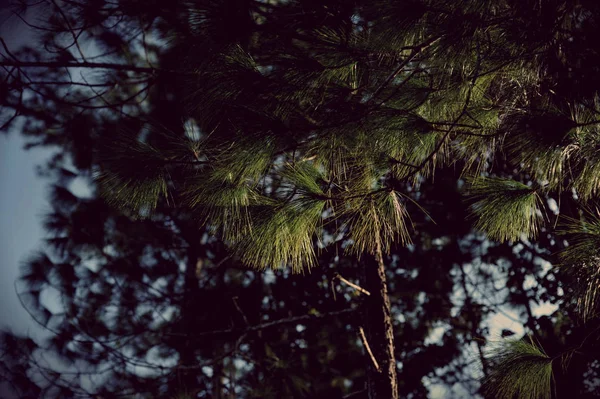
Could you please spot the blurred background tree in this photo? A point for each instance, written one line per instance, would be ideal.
(147, 302)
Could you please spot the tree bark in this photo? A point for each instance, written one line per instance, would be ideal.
(382, 383)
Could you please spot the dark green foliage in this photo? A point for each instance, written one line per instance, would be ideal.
(505, 209)
(580, 258)
(228, 134)
(520, 369)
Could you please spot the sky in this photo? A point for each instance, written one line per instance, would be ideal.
(22, 202)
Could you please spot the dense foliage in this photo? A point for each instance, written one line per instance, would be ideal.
(353, 141)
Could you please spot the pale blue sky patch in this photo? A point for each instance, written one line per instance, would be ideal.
(22, 203)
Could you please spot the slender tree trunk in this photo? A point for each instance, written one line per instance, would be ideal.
(474, 322)
(188, 378)
(382, 383)
(217, 384)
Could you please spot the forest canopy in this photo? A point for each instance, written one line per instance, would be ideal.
(305, 199)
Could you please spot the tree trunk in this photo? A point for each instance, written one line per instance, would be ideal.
(188, 376)
(473, 321)
(382, 383)
(217, 384)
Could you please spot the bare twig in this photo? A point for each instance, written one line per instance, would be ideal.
(415, 51)
(237, 307)
(363, 338)
(358, 288)
(354, 394)
(11, 55)
(99, 65)
(270, 324)
(71, 30)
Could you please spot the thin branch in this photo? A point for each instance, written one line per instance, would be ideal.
(11, 55)
(15, 115)
(75, 37)
(355, 394)
(239, 309)
(70, 83)
(456, 120)
(416, 50)
(351, 284)
(35, 26)
(92, 65)
(399, 86)
(399, 162)
(10, 120)
(298, 319)
(363, 338)
(275, 323)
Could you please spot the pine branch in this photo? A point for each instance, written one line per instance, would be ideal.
(519, 369)
(506, 209)
(456, 120)
(415, 51)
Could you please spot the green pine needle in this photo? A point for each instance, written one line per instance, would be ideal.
(134, 175)
(284, 236)
(518, 369)
(587, 183)
(506, 209)
(305, 178)
(582, 259)
(384, 216)
(227, 206)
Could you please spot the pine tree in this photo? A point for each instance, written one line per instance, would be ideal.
(318, 133)
(313, 120)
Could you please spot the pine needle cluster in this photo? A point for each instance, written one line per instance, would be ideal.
(519, 369)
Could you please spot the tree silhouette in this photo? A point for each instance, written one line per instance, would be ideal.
(293, 129)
